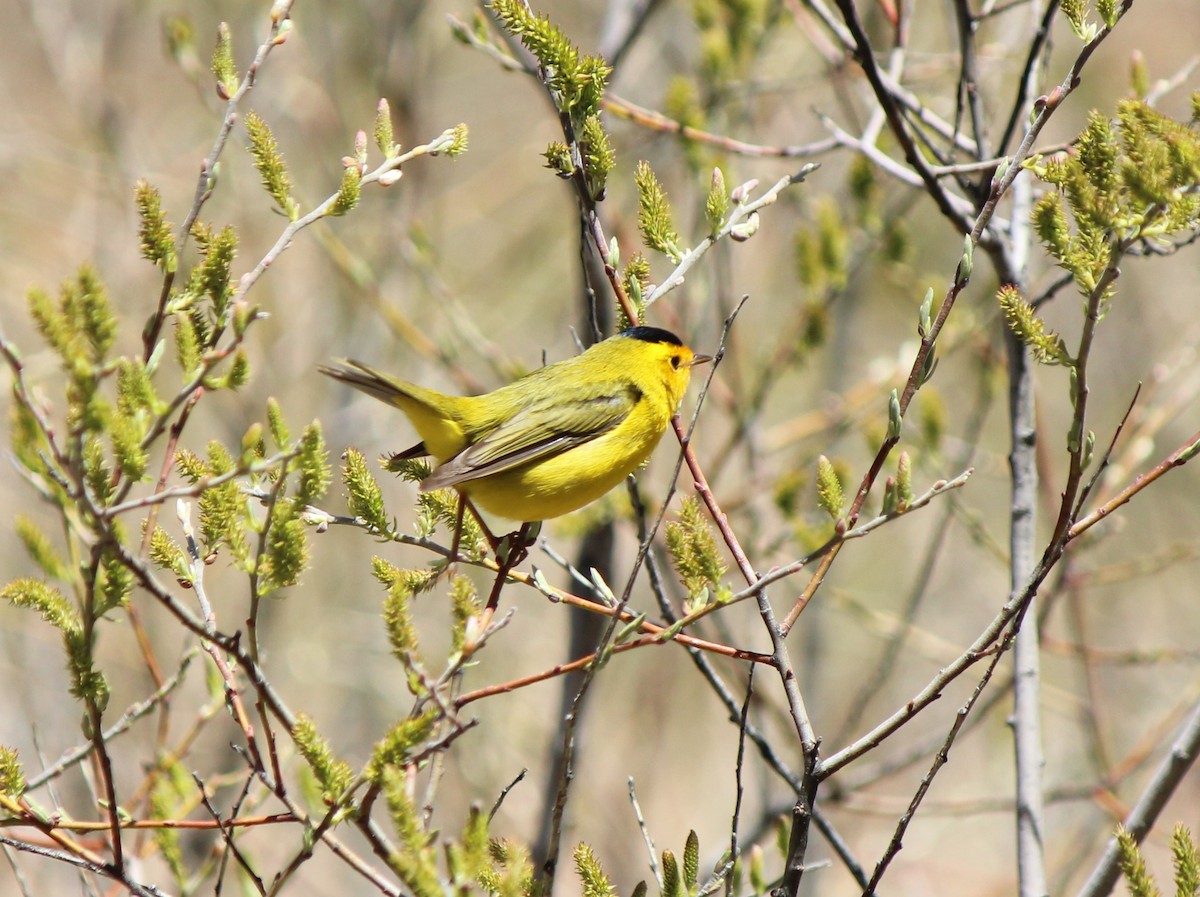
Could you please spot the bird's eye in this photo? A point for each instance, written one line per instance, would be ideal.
(675, 361)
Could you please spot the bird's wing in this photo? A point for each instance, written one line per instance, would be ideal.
(546, 428)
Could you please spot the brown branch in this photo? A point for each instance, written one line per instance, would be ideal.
(656, 121)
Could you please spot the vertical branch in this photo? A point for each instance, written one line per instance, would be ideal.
(1027, 732)
(1027, 682)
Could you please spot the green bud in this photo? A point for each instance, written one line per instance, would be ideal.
(895, 419)
(384, 139)
(830, 497)
(349, 192)
(716, 206)
(891, 501)
(904, 478)
(925, 315)
(222, 63)
(558, 159)
(967, 263)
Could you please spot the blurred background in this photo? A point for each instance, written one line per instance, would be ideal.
(467, 272)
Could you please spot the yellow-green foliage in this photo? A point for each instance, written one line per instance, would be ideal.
(413, 860)
(1046, 345)
(312, 461)
(271, 167)
(654, 214)
(716, 204)
(384, 138)
(287, 547)
(578, 80)
(441, 507)
(87, 683)
(1133, 181)
(830, 497)
(597, 154)
(115, 582)
(681, 102)
(222, 507)
(465, 605)
(158, 243)
(363, 494)
(211, 279)
(397, 746)
(81, 328)
(591, 875)
(694, 550)
(558, 159)
(349, 192)
(12, 776)
(511, 874)
(636, 280)
(167, 554)
(334, 775)
(402, 634)
(1185, 857)
(470, 859)
(1187, 862)
(822, 252)
(1137, 877)
(166, 802)
(222, 62)
(459, 142)
(691, 861)
(41, 552)
(280, 433)
(731, 32)
(672, 880)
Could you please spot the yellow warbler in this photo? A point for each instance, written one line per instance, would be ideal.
(554, 440)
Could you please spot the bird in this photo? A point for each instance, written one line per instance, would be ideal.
(553, 440)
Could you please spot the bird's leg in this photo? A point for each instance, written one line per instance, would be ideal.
(510, 551)
(458, 524)
(455, 542)
(464, 502)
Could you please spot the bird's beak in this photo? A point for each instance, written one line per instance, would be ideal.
(699, 359)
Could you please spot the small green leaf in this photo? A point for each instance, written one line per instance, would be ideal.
(895, 418)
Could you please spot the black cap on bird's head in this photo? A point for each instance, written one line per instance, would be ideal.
(652, 335)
